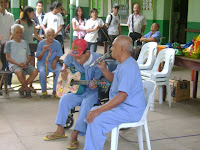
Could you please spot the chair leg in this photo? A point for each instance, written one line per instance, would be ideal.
(140, 138)
(152, 104)
(147, 136)
(114, 138)
(169, 94)
(160, 91)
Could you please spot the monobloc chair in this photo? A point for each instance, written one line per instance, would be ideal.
(147, 56)
(149, 89)
(167, 57)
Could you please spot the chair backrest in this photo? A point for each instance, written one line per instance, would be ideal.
(167, 56)
(148, 54)
(149, 90)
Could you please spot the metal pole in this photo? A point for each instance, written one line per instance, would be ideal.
(72, 8)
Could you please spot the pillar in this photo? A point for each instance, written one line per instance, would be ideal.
(15, 8)
(72, 7)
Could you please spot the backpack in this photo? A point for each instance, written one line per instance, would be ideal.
(102, 35)
(111, 17)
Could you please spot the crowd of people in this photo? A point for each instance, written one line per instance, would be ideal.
(127, 102)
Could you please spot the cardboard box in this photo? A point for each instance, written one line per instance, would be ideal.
(180, 90)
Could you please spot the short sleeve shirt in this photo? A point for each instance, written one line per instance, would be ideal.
(77, 23)
(18, 51)
(155, 35)
(53, 21)
(91, 24)
(139, 21)
(113, 28)
(56, 52)
(90, 72)
(129, 81)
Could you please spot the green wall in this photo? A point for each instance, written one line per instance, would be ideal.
(193, 19)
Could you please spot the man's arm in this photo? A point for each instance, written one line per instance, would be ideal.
(45, 48)
(121, 97)
(143, 28)
(151, 39)
(59, 29)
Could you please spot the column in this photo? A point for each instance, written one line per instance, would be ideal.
(72, 7)
(15, 8)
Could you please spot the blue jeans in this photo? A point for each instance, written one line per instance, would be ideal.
(92, 46)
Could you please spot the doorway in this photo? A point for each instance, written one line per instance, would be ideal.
(179, 21)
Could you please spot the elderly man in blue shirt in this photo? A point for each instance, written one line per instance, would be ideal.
(48, 53)
(153, 35)
(127, 101)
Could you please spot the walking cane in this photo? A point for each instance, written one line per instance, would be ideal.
(46, 63)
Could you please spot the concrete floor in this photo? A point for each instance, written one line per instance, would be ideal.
(24, 123)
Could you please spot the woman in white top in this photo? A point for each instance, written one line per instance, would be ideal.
(92, 28)
(78, 23)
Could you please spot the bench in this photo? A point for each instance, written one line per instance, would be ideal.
(4, 79)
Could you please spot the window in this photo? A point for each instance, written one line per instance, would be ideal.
(98, 4)
(124, 9)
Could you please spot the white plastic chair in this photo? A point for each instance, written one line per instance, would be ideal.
(167, 56)
(147, 56)
(149, 89)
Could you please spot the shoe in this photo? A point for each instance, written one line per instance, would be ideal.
(44, 95)
(73, 145)
(21, 94)
(28, 94)
(54, 136)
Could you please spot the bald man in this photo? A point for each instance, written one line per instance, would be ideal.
(127, 101)
(136, 21)
(153, 35)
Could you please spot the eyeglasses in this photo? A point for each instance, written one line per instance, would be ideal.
(116, 7)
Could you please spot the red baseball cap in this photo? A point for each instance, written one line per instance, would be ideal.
(78, 47)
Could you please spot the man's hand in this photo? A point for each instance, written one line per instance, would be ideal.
(53, 65)
(64, 74)
(101, 64)
(23, 65)
(92, 85)
(92, 115)
(142, 39)
(45, 48)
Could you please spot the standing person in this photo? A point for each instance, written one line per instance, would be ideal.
(80, 58)
(136, 23)
(55, 20)
(29, 29)
(113, 23)
(126, 97)
(38, 18)
(92, 27)
(48, 53)
(78, 23)
(7, 20)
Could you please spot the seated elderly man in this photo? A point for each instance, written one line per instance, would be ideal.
(127, 101)
(79, 58)
(18, 55)
(48, 53)
(153, 35)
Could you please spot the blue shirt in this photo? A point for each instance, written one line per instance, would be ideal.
(155, 35)
(56, 52)
(127, 78)
(90, 73)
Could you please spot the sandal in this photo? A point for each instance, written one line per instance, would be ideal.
(54, 136)
(21, 94)
(28, 94)
(73, 145)
(32, 89)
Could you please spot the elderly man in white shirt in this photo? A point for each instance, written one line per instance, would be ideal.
(136, 21)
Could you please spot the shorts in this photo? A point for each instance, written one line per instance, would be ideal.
(26, 71)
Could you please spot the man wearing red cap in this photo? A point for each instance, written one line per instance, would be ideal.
(80, 58)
